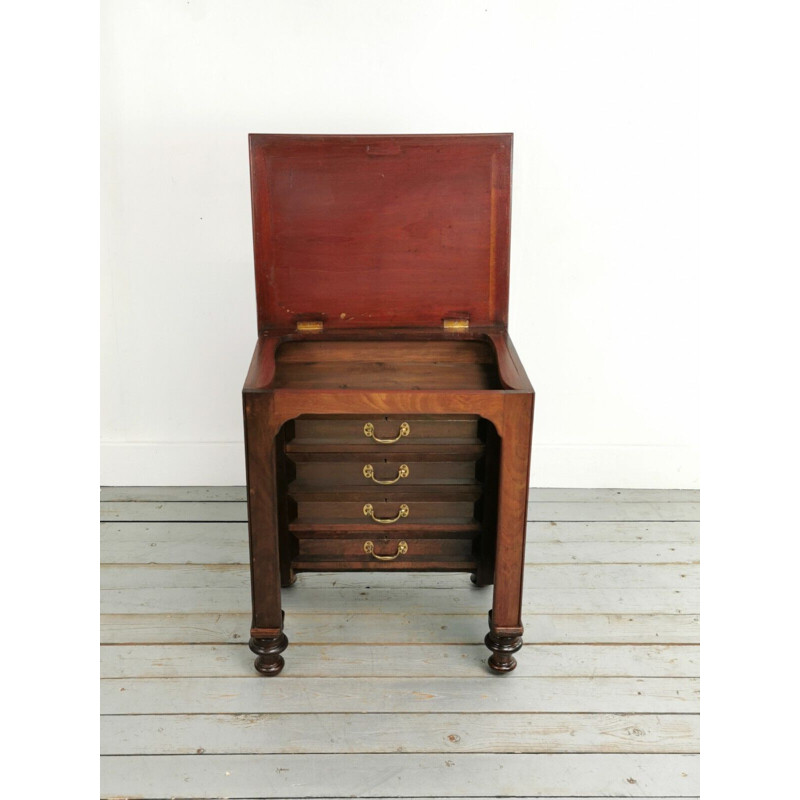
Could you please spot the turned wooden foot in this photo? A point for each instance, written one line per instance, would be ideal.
(503, 642)
(269, 661)
(476, 582)
(503, 649)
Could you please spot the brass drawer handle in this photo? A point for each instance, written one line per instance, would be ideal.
(369, 432)
(369, 511)
(402, 549)
(369, 472)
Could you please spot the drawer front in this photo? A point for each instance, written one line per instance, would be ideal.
(378, 513)
(366, 551)
(395, 471)
(400, 432)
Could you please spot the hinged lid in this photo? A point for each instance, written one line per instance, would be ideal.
(381, 231)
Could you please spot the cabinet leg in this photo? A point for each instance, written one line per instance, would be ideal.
(268, 650)
(267, 638)
(505, 619)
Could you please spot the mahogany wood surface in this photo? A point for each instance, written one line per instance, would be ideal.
(381, 239)
(352, 549)
(386, 365)
(351, 473)
(450, 448)
(381, 230)
(369, 492)
(422, 430)
(447, 352)
(345, 512)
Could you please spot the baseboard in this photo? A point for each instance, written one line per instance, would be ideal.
(578, 466)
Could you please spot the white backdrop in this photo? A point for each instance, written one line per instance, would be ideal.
(602, 98)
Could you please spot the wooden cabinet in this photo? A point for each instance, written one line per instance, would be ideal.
(387, 416)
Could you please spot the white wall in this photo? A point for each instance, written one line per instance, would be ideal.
(602, 99)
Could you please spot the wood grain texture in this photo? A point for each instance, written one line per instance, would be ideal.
(262, 512)
(373, 775)
(408, 369)
(443, 352)
(512, 497)
(408, 375)
(419, 660)
(349, 474)
(187, 734)
(400, 695)
(340, 221)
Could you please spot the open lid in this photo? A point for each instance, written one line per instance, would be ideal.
(381, 231)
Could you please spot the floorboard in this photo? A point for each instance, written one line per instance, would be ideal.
(390, 775)
(383, 697)
(399, 695)
(212, 734)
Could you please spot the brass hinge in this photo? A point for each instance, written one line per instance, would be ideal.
(309, 325)
(455, 324)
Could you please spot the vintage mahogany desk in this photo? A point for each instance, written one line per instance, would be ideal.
(387, 416)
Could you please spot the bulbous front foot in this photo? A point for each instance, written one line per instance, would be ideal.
(503, 649)
(269, 661)
(503, 642)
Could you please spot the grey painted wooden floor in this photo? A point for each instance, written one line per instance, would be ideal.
(386, 692)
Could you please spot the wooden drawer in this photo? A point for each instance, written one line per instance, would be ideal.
(319, 434)
(406, 510)
(401, 551)
(368, 471)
